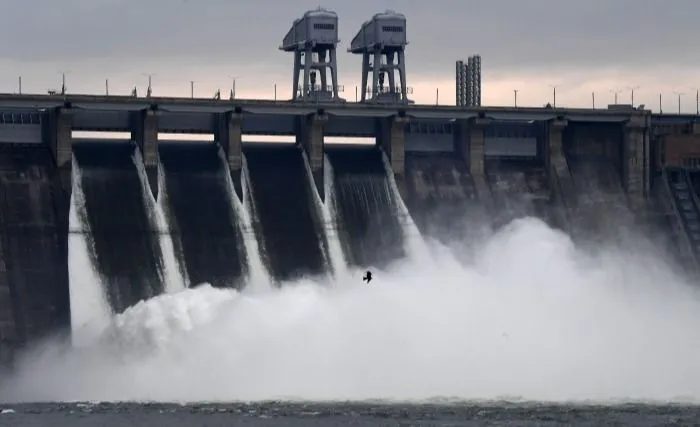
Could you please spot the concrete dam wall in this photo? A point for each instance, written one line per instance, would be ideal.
(33, 247)
(212, 211)
(440, 194)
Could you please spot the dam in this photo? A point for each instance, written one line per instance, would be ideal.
(229, 207)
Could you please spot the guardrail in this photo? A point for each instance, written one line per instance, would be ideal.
(20, 118)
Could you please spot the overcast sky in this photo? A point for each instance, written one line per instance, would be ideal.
(583, 46)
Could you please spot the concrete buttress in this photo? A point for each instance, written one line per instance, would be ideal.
(312, 132)
(58, 134)
(560, 180)
(145, 133)
(635, 168)
(393, 142)
(229, 136)
(473, 137)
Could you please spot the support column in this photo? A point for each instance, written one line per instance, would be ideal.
(470, 143)
(312, 131)
(560, 180)
(62, 149)
(393, 141)
(229, 137)
(58, 134)
(144, 131)
(636, 181)
(557, 165)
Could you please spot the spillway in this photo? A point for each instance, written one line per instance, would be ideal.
(288, 224)
(200, 214)
(600, 201)
(518, 189)
(33, 246)
(440, 193)
(370, 222)
(125, 240)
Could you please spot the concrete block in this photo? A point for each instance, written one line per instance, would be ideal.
(393, 142)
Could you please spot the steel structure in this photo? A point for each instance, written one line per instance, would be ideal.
(461, 84)
(382, 41)
(313, 39)
(468, 82)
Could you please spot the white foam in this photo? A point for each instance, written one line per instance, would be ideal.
(90, 311)
(531, 317)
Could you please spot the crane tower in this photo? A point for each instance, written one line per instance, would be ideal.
(313, 39)
(382, 41)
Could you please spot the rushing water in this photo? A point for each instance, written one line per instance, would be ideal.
(529, 317)
(357, 414)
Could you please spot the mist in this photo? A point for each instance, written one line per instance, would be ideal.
(528, 317)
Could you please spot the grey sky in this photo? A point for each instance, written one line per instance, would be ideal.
(513, 36)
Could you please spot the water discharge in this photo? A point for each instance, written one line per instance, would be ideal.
(258, 275)
(413, 241)
(90, 311)
(335, 248)
(336, 258)
(172, 273)
(530, 316)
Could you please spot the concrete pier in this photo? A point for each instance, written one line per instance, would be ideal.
(58, 131)
(229, 136)
(144, 131)
(392, 139)
(310, 138)
(561, 182)
(475, 139)
(635, 149)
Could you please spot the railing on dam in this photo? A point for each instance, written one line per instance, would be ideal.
(20, 127)
(20, 118)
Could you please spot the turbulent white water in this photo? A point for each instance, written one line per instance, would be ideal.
(172, 272)
(529, 317)
(90, 311)
(258, 276)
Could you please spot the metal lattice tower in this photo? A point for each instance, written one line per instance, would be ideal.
(382, 41)
(313, 39)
